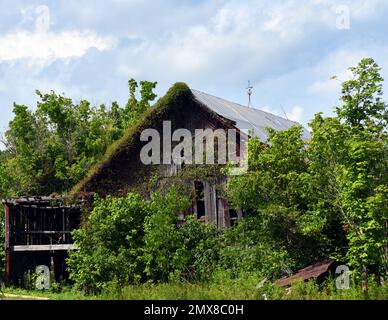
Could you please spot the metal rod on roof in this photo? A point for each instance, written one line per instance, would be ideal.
(249, 92)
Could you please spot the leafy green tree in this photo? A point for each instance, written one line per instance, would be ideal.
(131, 240)
(363, 105)
(327, 196)
(51, 149)
(279, 195)
(349, 157)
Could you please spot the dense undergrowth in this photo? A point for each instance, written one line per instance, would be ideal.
(221, 287)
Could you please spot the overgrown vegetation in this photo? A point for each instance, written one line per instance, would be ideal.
(327, 197)
(221, 287)
(50, 149)
(304, 201)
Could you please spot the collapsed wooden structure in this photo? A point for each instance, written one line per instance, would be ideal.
(38, 232)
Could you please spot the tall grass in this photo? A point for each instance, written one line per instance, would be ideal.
(222, 287)
(246, 287)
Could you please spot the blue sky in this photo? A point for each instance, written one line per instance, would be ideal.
(289, 49)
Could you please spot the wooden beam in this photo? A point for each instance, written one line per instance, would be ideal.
(48, 247)
(7, 225)
(46, 232)
(7, 241)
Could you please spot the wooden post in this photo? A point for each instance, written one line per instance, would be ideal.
(364, 281)
(7, 242)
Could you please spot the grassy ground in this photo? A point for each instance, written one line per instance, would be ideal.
(21, 294)
(237, 289)
(299, 291)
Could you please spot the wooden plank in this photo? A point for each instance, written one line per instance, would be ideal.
(48, 247)
(7, 241)
(46, 232)
(7, 225)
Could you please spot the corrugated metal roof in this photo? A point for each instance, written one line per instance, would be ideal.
(310, 272)
(246, 119)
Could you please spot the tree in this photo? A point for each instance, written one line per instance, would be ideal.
(363, 106)
(51, 149)
(331, 191)
(279, 195)
(363, 172)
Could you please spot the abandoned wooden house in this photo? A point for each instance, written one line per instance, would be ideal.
(122, 170)
(38, 230)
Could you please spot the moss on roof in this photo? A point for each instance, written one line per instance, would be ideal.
(173, 99)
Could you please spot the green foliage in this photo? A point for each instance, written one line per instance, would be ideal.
(110, 244)
(278, 196)
(319, 197)
(175, 99)
(131, 240)
(364, 107)
(162, 235)
(249, 248)
(348, 161)
(128, 240)
(49, 150)
(199, 250)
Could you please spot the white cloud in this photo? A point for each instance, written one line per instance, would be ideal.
(43, 48)
(288, 48)
(244, 37)
(296, 114)
(335, 65)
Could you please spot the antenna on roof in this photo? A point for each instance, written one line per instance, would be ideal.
(285, 114)
(249, 92)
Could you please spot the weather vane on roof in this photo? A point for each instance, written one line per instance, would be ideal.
(249, 92)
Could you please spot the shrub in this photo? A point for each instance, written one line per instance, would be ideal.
(110, 244)
(248, 248)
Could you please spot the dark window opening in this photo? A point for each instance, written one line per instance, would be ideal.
(238, 139)
(200, 199)
(233, 217)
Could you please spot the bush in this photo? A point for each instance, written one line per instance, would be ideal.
(127, 241)
(162, 237)
(172, 252)
(248, 248)
(199, 249)
(110, 244)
